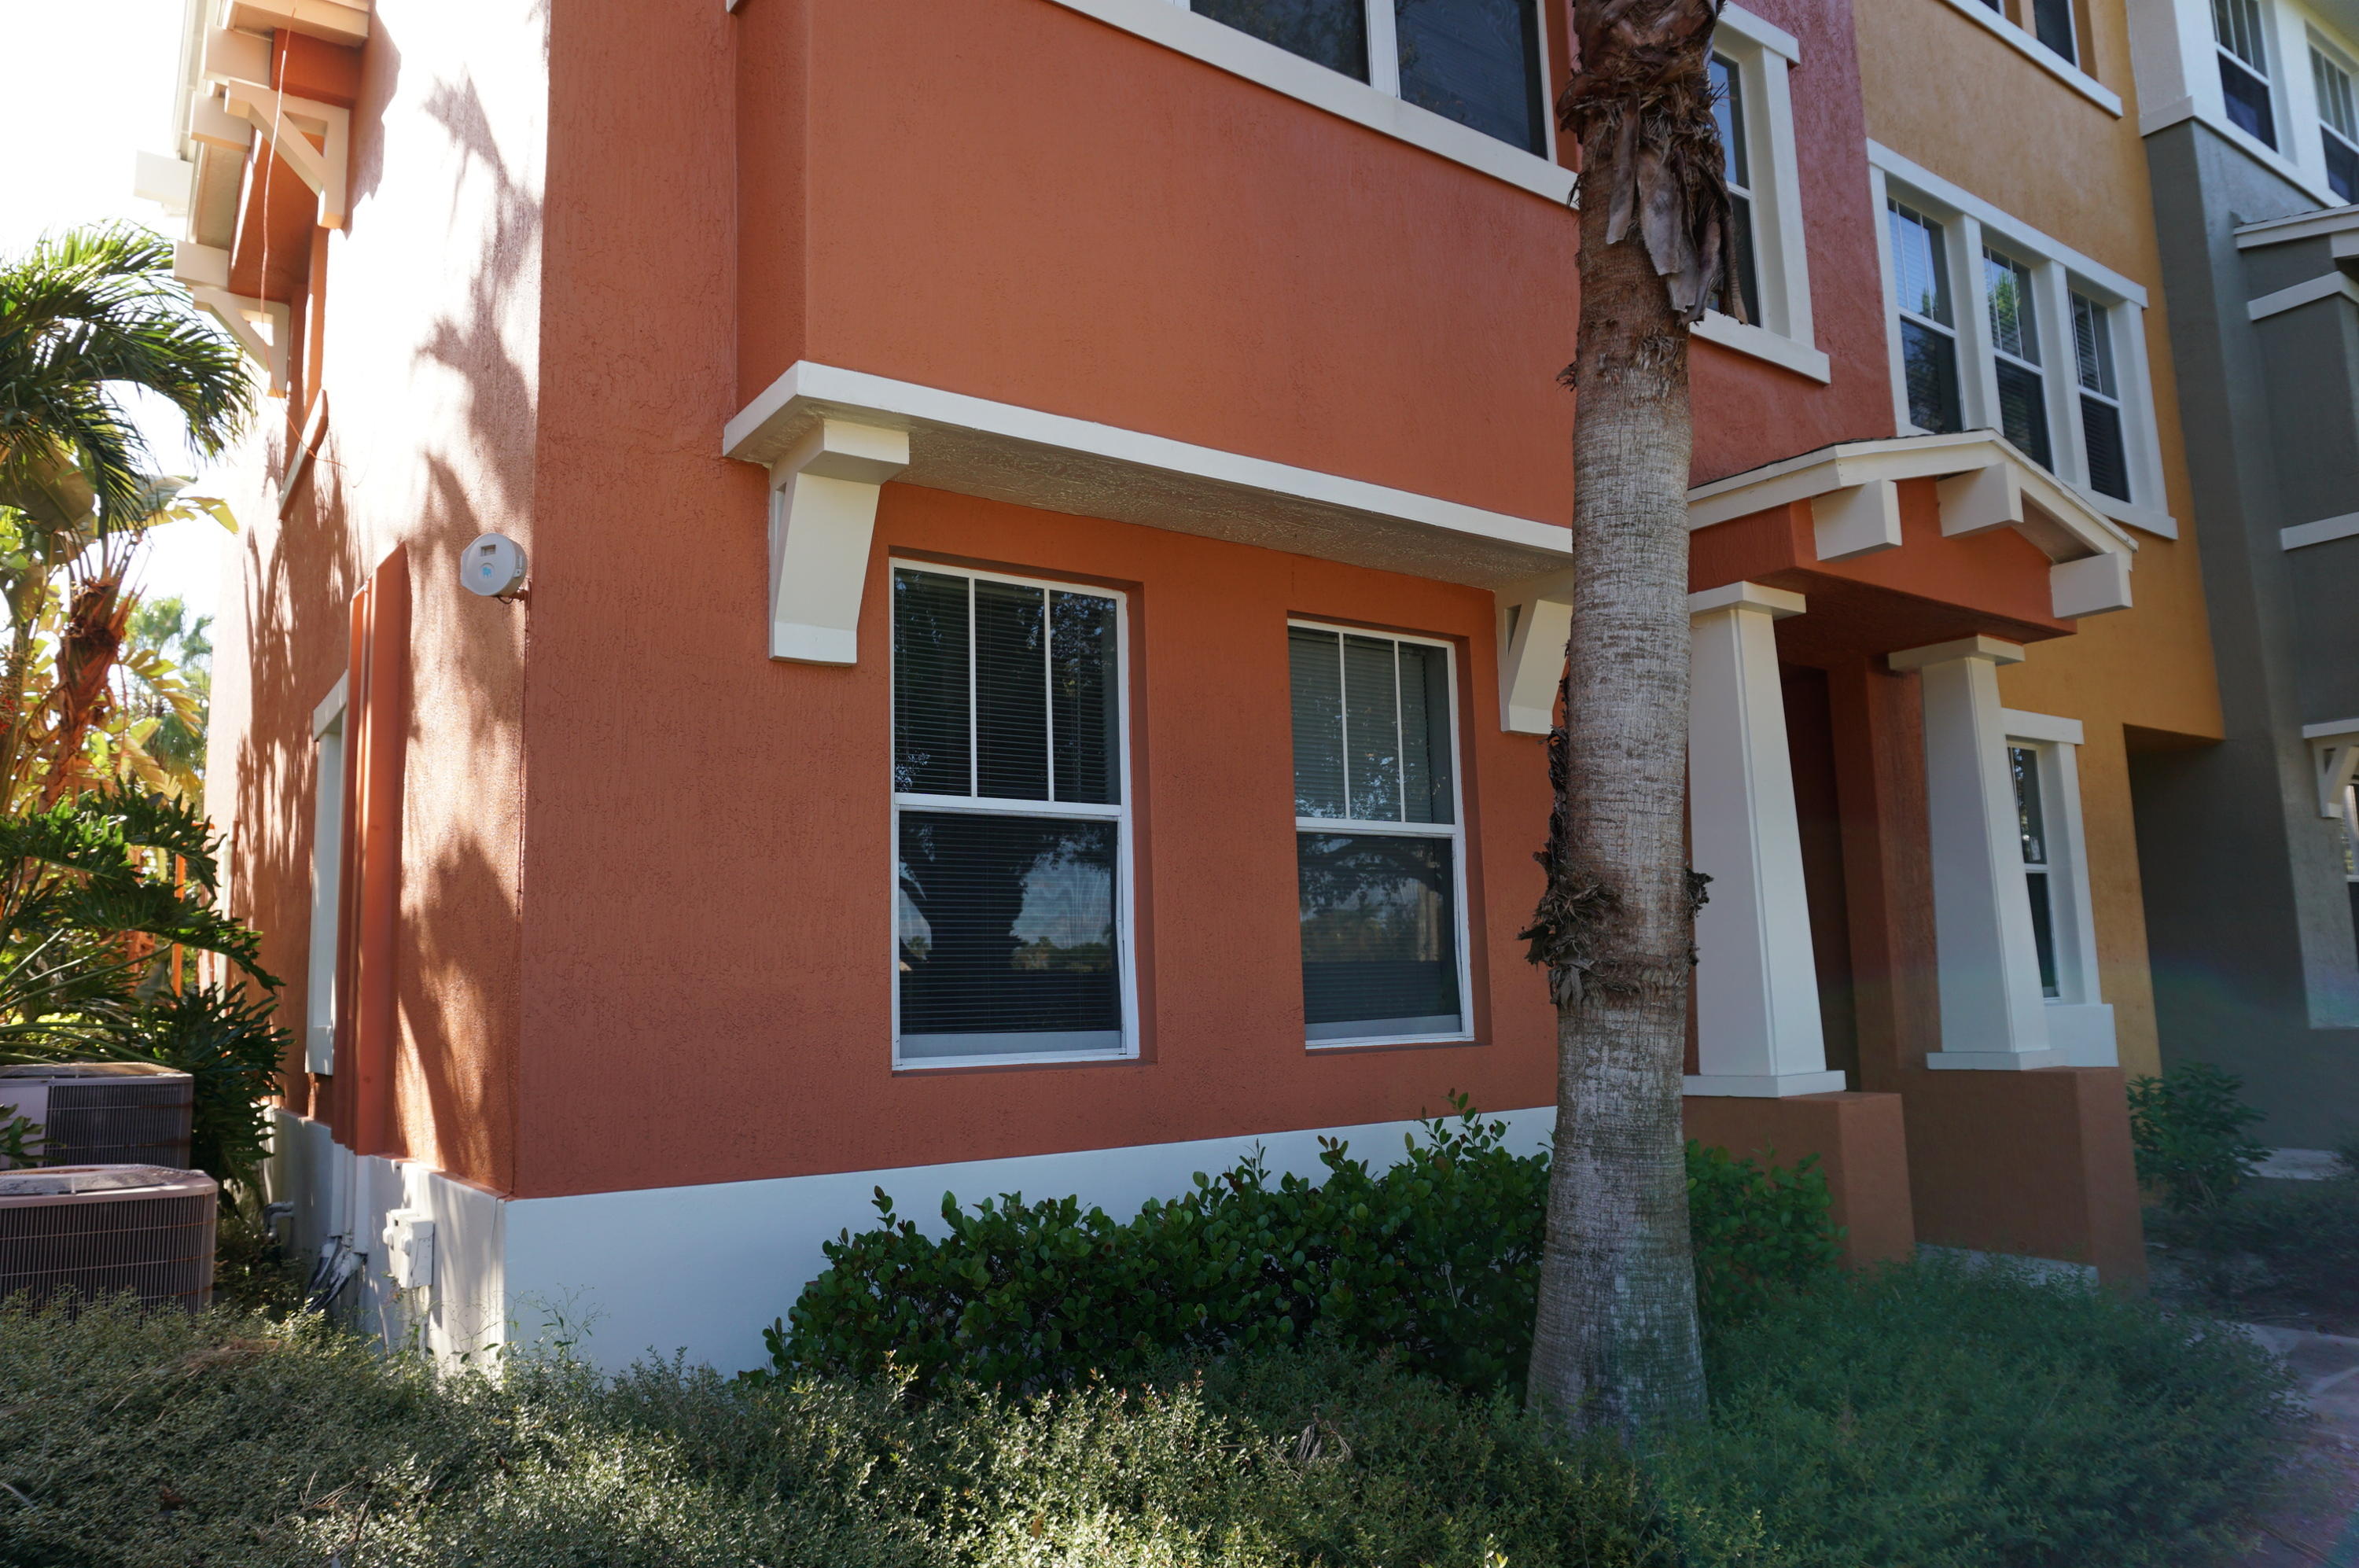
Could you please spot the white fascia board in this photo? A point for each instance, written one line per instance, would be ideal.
(2337, 221)
(2319, 532)
(1762, 343)
(2021, 725)
(2334, 729)
(1962, 201)
(1241, 54)
(2309, 291)
(2039, 54)
(975, 446)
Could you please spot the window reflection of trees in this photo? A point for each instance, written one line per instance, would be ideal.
(983, 895)
(1334, 33)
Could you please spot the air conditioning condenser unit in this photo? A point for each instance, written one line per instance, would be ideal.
(104, 1113)
(91, 1231)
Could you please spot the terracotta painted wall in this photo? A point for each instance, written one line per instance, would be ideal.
(427, 337)
(1943, 92)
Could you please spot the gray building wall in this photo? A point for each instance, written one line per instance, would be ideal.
(2249, 917)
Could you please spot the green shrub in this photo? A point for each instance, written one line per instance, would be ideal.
(2295, 1245)
(1434, 1260)
(1946, 1416)
(2188, 1127)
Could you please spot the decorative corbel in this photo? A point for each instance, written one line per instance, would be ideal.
(822, 515)
(239, 63)
(1535, 624)
(2336, 747)
(1858, 520)
(204, 270)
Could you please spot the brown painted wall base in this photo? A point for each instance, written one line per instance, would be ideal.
(2037, 1163)
(1862, 1143)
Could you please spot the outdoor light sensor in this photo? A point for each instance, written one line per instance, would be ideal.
(493, 567)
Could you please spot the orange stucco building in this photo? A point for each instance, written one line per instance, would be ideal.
(1046, 524)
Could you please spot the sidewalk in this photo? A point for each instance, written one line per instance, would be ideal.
(2321, 1529)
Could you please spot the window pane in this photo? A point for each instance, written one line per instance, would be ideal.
(1317, 659)
(2014, 324)
(2093, 345)
(2030, 821)
(2051, 23)
(2341, 171)
(2101, 432)
(1371, 730)
(2023, 412)
(1728, 115)
(1007, 935)
(2337, 105)
(1920, 277)
(1334, 33)
(929, 685)
(2237, 25)
(1475, 61)
(1748, 273)
(1081, 692)
(1929, 364)
(1011, 691)
(1379, 937)
(2043, 930)
(1424, 731)
(2248, 103)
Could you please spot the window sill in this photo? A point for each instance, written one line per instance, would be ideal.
(2040, 55)
(1762, 343)
(2151, 519)
(1241, 54)
(1386, 1042)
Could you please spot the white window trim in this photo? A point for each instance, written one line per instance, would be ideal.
(2340, 59)
(1456, 834)
(2058, 271)
(2078, 1014)
(1172, 25)
(2023, 43)
(1786, 335)
(1125, 899)
(327, 881)
(2178, 80)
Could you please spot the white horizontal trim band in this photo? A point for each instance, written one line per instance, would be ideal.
(2021, 725)
(2309, 291)
(2320, 531)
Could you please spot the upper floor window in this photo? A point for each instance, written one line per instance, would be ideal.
(1929, 335)
(1728, 112)
(2338, 124)
(2051, 21)
(1010, 822)
(1770, 284)
(2239, 30)
(2015, 347)
(1379, 850)
(1475, 61)
(2101, 399)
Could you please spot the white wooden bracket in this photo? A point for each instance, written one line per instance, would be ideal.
(2336, 748)
(331, 21)
(822, 515)
(1859, 519)
(1535, 624)
(258, 325)
(239, 63)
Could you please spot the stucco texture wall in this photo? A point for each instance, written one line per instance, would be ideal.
(1943, 92)
(427, 343)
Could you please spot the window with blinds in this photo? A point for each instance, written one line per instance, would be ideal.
(2338, 124)
(1929, 332)
(1379, 850)
(2015, 345)
(1009, 821)
(1728, 113)
(2101, 399)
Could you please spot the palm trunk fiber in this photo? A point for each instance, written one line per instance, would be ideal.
(1616, 1345)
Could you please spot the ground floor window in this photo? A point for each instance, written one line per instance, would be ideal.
(2351, 849)
(2031, 821)
(1011, 821)
(1379, 840)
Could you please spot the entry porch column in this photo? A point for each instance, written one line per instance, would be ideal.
(1756, 984)
(1994, 1014)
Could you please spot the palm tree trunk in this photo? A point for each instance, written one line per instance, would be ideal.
(1616, 1344)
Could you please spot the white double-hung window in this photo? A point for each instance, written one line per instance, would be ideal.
(2240, 30)
(1380, 849)
(327, 882)
(1755, 119)
(1994, 326)
(2042, 755)
(1011, 820)
(2338, 121)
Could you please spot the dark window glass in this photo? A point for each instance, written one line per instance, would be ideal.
(1087, 724)
(930, 684)
(2341, 170)
(2023, 411)
(1728, 115)
(1921, 269)
(1379, 936)
(1334, 33)
(2101, 432)
(1371, 730)
(2051, 24)
(1424, 733)
(1007, 935)
(2043, 930)
(1929, 364)
(1317, 658)
(1476, 61)
(2248, 103)
(1011, 690)
(2031, 823)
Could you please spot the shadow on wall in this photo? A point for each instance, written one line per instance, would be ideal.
(426, 454)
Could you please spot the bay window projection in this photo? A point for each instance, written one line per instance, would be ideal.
(2101, 399)
(1378, 844)
(1929, 332)
(2238, 30)
(2338, 124)
(2015, 345)
(1010, 823)
(1474, 61)
(1728, 112)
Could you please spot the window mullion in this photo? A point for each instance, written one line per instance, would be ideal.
(1400, 744)
(1384, 48)
(1978, 375)
(1048, 683)
(2052, 310)
(974, 702)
